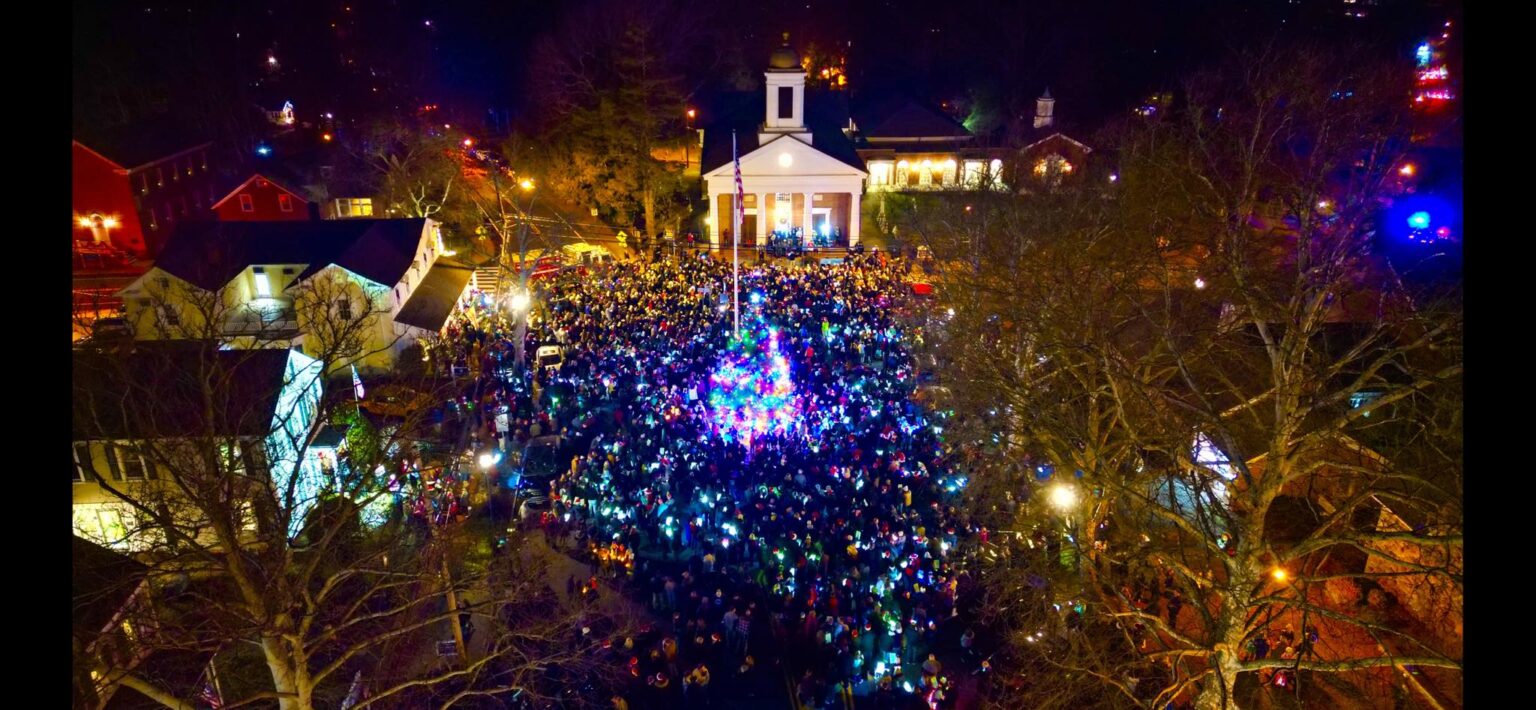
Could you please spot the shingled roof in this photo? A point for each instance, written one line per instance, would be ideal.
(142, 142)
(101, 583)
(909, 119)
(826, 114)
(436, 296)
(209, 254)
(157, 390)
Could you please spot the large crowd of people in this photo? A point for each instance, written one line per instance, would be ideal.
(778, 498)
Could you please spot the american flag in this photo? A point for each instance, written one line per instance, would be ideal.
(357, 383)
(741, 210)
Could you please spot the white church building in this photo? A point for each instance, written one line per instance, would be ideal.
(808, 158)
(795, 179)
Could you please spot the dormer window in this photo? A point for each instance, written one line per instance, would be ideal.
(263, 286)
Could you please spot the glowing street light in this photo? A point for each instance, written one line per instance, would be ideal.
(520, 302)
(1063, 497)
(487, 461)
(526, 184)
(109, 222)
(1199, 283)
(1279, 574)
(469, 142)
(1407, 170)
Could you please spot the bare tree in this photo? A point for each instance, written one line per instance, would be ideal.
(1210, 412)
(316, 575)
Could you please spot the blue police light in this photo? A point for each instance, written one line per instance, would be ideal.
(1422, 54)
(1419, 220)
(263, 150)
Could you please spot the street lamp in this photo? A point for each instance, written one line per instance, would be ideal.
(526, 184)
(1063, 497)
(520, 302)
(487, 460)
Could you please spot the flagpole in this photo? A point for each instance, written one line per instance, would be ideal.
(736, 244)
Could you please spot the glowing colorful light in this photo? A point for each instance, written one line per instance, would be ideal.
(1419, 220)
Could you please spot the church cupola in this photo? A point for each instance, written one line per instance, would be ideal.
(1045, 110)
(785, 84)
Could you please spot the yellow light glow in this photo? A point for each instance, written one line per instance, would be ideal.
(1407, 170)
(520, 301)
(109, 222)
(709, 221)
(950, 163)
(526, 184)
(786, 160)
(1279, 574)
(1063, 497)
(902, 164)
(86, 222)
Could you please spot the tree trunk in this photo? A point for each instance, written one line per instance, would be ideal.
(284, 680)
(648, 198)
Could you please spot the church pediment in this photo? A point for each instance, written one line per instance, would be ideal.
(787, 156)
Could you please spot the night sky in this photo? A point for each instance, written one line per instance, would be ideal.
(1095, 55)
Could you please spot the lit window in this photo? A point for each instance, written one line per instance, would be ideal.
(246, 203)
(263, 287)
(925, 175)
(973, 170)
(131, 464)
(354, 207)
(285, 203)
(903, 173)
(880, 173)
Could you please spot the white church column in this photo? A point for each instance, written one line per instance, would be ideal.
(714, 219)
(764, 220)
(853, 218)
(809, 223)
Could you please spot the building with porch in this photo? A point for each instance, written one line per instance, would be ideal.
(807, 158)
(800, 174)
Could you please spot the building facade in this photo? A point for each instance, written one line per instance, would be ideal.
(292, 284)
(134, 418)
(807, 159)
(260, 199)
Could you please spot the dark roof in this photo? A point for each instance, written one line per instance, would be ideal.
(135, 144)
(436, 296)
(209, 254)
(101, 583)
(826, 114)
(906, 118)
(154, 389)
(381, 253)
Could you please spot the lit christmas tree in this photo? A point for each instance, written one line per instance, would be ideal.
(751, 393)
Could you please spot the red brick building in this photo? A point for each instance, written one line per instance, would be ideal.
(132, 183)
(259, 199)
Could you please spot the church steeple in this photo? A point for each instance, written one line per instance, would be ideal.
(785, 86)
(1045, 110)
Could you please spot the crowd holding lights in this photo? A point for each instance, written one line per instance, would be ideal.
(786, 479)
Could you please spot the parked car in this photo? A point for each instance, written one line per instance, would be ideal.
(550, 356)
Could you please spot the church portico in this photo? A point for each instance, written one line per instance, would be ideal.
(799, 183)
